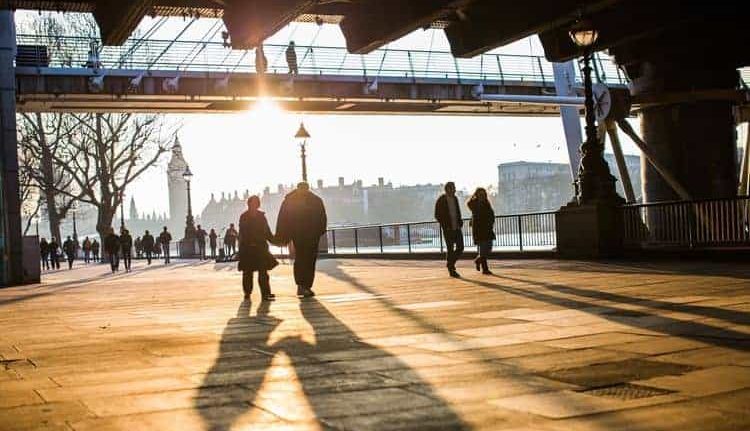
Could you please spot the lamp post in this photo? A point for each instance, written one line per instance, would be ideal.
(302, 136)
(122, 210)
(75, 229)
(595, 183)
(189, 222)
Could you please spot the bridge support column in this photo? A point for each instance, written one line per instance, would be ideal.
(11, 259)
(694, 139)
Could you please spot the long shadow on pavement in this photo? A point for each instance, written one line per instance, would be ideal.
(332, 385)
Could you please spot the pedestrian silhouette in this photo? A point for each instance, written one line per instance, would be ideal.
(482, 227)
(95, 248)
(448, 214)
(291, 59)
(112, 248)
(212, 243)
(230, 241)
(165, 238)
(254, 255)
(302, 221)
(44, 253)
(69, 248)
(54, 253)
(200, 235)
(86, 250)
(148, 243)
(126, 247)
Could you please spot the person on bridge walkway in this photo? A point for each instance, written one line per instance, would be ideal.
(44, 252)
(254, 236)
(482, 227)
(112, 248)
(69, 248)
(302, 220)
(164, 239)
(138, 245)
(448, 214)
(230, 241)
(212, 242)
(126, 246)
(200, 235)
(291, 59)
(147, 244)
(54, 253)
(86, 250)
(95, 246)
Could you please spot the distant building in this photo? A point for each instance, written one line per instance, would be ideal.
(538, 186)
(346, 204)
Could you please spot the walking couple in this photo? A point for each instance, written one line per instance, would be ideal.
(302, 221)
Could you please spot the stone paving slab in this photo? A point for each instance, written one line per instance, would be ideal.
(387, 345)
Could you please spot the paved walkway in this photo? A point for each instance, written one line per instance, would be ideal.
(543, 345)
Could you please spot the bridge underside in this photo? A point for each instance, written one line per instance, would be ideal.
(40, 90)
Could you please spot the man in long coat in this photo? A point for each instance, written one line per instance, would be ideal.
(302, 220)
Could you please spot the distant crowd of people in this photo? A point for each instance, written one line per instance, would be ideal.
(301, 223)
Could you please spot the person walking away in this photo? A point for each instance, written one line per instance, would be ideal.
(69, 248)
(138, 247)
(482, 227)
(112, 248)
(230, 239)
(212, 243)
(44, 253)
(164, 239)
(302, 220)
(95, 250)
(291, 59)
(86, 250)
(200, 235)
(448, 214)
(261, 62)
(147, 244)
(126, 248)
(54, 253)
(254, 254)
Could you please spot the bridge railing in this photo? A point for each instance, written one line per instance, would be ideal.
(201, 56)
(517, 232)
(699, 224)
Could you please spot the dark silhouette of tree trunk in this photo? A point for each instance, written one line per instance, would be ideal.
(107, 153)
(43, 142)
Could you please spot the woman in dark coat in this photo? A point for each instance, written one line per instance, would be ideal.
(482, 222)
(254, 254)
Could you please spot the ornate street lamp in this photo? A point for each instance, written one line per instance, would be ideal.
(302, 136)
(189, 222)
(595, 183)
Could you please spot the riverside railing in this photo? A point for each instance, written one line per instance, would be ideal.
(517, 232)
(711, 223)
(203, 56)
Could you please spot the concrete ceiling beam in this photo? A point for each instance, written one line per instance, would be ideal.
(370, 24)
(250, 22)
(117, 19)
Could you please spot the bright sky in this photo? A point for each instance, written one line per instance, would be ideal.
(228, 152)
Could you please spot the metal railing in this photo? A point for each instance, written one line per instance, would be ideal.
(517, 232)
(711, 223)
(203, 56)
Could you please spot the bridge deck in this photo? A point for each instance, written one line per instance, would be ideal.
(543, 345)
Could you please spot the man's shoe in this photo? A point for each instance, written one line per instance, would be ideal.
(478, 265)
(308, 293)
(269, 298)
(487, 272)
(454, 274)
(300, 291)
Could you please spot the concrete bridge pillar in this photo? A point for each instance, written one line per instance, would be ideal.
(692, 137)
(11, 259)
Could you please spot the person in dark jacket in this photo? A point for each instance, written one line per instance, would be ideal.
(164, 239)
(482, 227)
(302, 220)
(291, 59)
(230, 241)
(448, 214)
(126, 248)
(54, 253)
(147, 244)
(200, 235)
(44, 253)
(95, 249)
(86, 250)
(254, 255)
(212, 242)
(69, 248)
(112, 248)
(138, 245)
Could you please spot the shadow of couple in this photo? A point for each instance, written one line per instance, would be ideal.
(309, 369)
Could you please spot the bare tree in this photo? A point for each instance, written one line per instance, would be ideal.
(31, 201)
(107, 152)
(42, 144)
